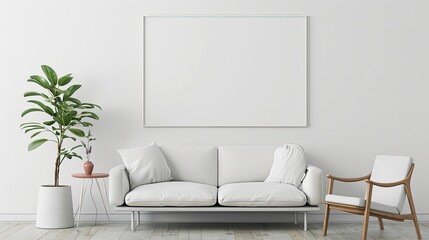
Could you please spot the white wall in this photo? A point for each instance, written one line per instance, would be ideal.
(368, 84)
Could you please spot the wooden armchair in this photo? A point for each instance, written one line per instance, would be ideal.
(387, 187)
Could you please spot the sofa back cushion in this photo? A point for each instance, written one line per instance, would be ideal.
(244, 163)
(192, 163)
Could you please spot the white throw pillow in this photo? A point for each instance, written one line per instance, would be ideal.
(145, 165)
(289, 165)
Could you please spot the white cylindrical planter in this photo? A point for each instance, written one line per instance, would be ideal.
(55, 207)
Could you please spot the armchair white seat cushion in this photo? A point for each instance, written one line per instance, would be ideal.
(360, 202)
(173, 193)
(258, 194)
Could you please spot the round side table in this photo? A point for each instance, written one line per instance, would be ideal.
(92, 177)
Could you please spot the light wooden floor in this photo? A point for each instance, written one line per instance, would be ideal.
(210, 231)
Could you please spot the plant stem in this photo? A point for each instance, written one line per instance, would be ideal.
(58, 160)
(57, 170)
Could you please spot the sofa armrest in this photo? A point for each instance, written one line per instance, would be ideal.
(312, 185)
(119, 185)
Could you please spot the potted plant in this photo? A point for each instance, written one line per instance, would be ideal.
(66, 115)
(88, 166)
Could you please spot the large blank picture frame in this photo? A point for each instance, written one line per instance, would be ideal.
(225, 71)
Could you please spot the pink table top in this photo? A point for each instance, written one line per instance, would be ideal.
(94, 175)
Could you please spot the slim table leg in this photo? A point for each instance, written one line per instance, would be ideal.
(79, 209)
(138, 217)
(102, 200)
(93, 201)
(107, 200)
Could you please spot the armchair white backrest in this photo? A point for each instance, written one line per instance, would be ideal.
(389, 169)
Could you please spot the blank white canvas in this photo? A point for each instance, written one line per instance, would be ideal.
(225, 71)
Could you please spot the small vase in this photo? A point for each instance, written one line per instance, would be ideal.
(88, 166)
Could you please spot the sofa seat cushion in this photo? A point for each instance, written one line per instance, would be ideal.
(360, 202)
(174, 193)
(258, 194)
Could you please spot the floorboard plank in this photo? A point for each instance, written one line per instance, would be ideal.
(85, 232)
(5, 226)
(191, 231)
(274, 231)
(11, 229)
(26, 232)
(113, 232)
(246, 231)
(166, 231)
(141, 232)
(216, 231)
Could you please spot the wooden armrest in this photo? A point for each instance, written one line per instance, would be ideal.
(391, 184)
(366, 177)
(406, 180)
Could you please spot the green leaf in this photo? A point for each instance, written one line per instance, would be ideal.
(50, 73)
(29, 123)
(30, 94)
(45, 108)
(31, 126)
(69, 92)
(73, 138)
(86, 124)
(77, 132)
(72, 113)
(90, 114)
(40, 81)
(35, 134)
(49, 123)
(97, 106)
(32, 129)
(31, 110)
(87, 105)
(73, 154)
(74, 100)
(35, 144)
(90, 105)
(73, 148)
(64, 80)
(56, 91)
(63, 120)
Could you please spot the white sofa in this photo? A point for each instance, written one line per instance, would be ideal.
(216, 179)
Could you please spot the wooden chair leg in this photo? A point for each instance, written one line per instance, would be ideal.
(380, 223)
(367, 211)
(365, 224)
(413, 210)
(326, 220)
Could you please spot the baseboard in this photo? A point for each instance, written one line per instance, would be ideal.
(213, 217)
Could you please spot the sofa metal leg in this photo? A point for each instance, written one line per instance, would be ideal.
(305, 221)
(295, 221)
(138, 217)
(132, 221)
